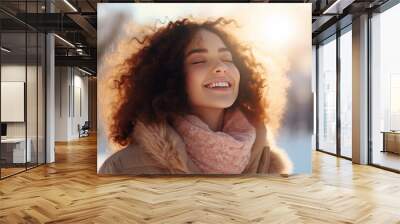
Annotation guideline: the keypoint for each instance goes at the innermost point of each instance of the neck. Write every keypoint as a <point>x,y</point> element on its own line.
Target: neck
<point>213,117</point>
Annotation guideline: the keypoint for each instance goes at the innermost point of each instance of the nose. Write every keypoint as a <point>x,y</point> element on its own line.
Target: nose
<point>220,68</point>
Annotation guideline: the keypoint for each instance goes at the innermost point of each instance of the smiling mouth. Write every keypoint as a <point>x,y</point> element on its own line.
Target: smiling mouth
<point>218,85</point>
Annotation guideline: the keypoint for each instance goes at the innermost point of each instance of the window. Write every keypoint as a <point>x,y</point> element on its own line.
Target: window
<point>385,88</point>
<point>327,96</point>
<point>22,76</point>
<point>346,93</point>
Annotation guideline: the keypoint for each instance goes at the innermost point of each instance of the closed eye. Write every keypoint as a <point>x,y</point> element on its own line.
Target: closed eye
<point>198,62</point>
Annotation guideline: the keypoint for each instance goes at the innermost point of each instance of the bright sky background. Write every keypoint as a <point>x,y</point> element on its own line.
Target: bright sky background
<point>280,31</point>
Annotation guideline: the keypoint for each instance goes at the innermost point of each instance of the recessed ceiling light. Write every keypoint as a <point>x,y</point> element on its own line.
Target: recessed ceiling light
<point>64,40</point>
<point>70,5</point>
<point>338,6</point>
<point>5,50</point>
<point>84,71</point>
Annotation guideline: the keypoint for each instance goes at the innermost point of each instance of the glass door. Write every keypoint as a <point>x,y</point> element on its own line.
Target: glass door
<point>327,96</point>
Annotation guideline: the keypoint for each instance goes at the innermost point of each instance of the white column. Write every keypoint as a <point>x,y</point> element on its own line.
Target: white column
<point>50,109</point>
<point>62,103</point>
<point>360,90</point>
<point>50,92</point>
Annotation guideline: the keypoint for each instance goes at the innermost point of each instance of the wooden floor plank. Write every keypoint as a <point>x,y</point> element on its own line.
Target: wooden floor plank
<point>69,191</point>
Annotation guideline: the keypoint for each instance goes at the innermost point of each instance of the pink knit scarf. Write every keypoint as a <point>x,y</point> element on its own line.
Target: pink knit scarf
<point>226,152</point>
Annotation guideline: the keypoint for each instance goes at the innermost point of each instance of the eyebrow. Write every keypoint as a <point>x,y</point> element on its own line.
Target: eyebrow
<point>203,50</point>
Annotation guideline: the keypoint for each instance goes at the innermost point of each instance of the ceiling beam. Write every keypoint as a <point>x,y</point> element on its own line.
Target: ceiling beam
<point>84,24</point>
<point>82,61</point>
<point>338,6</point>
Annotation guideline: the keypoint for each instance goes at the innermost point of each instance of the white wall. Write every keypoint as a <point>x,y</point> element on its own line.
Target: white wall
<point>80,89</point>
<point>12,73</point>
<point>61,103</point>
<point>33,127</point>
<point>71,93</point>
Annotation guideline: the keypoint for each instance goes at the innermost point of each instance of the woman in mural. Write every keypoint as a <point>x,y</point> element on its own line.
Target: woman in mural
<point>193,102</point>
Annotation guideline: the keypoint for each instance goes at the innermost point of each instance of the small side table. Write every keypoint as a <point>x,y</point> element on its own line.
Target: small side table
<point>391,141</point>
<point>13,150</point>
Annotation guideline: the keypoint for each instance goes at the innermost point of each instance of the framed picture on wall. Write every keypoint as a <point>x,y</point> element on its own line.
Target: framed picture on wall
<point>12,101</point>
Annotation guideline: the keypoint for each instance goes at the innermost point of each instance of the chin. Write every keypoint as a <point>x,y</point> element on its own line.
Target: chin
<point>222,105</point>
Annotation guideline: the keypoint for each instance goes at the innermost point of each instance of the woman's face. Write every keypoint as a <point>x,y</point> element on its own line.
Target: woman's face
<point>212,79</point>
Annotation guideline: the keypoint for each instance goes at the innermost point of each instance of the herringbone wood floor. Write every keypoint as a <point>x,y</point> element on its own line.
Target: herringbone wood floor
<point>70,191</point>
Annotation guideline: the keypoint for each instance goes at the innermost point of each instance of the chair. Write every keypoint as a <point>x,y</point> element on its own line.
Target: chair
<point>84,130</point>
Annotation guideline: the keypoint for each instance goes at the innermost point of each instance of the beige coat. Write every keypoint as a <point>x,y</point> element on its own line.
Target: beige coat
<point>158,149</point>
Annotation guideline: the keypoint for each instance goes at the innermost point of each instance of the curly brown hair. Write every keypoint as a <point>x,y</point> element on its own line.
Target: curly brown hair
<point>152,89</point>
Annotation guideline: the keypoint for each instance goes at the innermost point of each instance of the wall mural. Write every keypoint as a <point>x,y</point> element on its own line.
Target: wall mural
<point>198,88</point>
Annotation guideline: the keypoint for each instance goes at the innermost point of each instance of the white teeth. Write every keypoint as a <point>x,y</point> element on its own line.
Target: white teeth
<point>217,84</point>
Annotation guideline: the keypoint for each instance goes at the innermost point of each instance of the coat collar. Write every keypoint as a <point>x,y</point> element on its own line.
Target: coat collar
<point>163,144</point>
